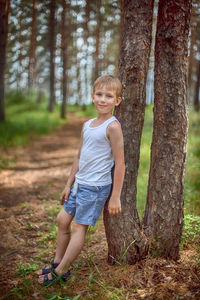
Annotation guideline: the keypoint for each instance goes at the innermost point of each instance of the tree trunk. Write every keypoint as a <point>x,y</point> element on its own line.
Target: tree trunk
<point>52,42</point>
<point>64,60</point>
<point>4,13</point>
<point>32,49</point>
<point>191,59</point>
<point>86,35</point>
<point>196,98</point>
<point>120,28</point>
<point>164,210</point>
<point>126,240</point>
<point>78,78</point>
<point>97,36</point>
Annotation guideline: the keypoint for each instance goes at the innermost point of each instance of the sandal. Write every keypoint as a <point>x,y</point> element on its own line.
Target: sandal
<point>46,270</point>
<point>55,277</point>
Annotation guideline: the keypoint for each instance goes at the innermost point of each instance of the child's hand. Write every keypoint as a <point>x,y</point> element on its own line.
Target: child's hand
<point>114,206</point>
<point>65,194</point>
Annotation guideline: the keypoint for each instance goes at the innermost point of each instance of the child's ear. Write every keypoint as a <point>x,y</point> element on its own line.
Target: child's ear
<point>118,101</point>
<point>92,95</point>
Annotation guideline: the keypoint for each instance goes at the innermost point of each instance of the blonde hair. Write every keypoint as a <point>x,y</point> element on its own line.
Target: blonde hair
<point>109,81</point>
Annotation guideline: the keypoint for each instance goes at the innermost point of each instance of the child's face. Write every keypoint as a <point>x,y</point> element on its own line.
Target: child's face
<point>105,99</point>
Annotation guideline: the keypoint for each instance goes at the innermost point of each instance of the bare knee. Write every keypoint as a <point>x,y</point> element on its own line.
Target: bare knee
<point>63,221</point>
<point>79,228</point>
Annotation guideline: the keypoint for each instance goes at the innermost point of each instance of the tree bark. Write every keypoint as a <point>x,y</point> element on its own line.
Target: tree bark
<point>32,49</point>
<point>4,13</point>
<point>164,210</point>
<point>52,42</point>
<point>126,240</point>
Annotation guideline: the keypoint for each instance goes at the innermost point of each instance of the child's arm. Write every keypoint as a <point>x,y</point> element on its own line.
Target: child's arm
<point>71,178</point>
<point>115,137</point>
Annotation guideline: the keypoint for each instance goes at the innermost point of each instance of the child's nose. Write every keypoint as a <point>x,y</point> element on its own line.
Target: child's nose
<point>103,98</point>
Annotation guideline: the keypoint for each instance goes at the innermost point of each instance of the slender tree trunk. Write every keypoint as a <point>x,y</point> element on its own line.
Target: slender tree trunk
<point>78,78</point>
<point>192,61</point>
<point>164,210</point>
<point>64,60</point>
<point>52,42</point>
<point>20,40</point>
<point>116,71</point>
<point>4,13</point>
<point>97,36</point>
<point>196,98</point>
<point>126,240</point>
<point>86,35</point>
<point>32,49</point>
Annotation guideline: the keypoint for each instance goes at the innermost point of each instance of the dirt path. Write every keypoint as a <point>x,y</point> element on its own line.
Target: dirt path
<point>29,194</point>
<point>39,174</point>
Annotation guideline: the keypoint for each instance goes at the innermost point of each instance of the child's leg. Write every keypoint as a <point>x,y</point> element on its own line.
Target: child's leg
<point>74,247</point>
<point>63,237</point>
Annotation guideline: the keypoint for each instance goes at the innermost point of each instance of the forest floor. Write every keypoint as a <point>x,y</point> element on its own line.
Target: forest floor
<point>29,201</point>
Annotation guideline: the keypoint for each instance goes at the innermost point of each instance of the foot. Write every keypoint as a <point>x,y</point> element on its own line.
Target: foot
<point>47,270</point>
<point>53,277</point>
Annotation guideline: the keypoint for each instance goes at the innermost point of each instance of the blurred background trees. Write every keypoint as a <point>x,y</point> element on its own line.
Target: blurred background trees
<point>60,47</point>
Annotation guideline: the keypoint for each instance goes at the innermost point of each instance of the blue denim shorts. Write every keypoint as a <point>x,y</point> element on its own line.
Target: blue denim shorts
<point>85,203</point>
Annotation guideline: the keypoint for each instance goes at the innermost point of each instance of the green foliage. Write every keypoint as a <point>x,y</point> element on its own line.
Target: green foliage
<point>191,230</point>
<point>143,172</point>
<point>17,97</point>
<point>192,174</point>
<point>24,269</point>
<point>25,119</point>
<point>51,236</point>
<point>91,230</point>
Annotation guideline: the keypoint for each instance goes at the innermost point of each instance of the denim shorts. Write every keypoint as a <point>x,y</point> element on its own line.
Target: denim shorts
<point>85,203</point>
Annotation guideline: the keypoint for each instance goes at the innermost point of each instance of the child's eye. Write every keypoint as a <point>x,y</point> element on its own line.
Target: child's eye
<point>98,94</point>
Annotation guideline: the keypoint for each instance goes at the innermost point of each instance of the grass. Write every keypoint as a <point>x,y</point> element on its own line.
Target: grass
<point>191,232</point>
<point>24,269</point>
<point>26,120</point>
<point>192,172</point>
<point>143,172</point>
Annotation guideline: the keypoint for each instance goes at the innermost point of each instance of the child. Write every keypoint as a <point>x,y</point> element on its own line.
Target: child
<point>101,147</point>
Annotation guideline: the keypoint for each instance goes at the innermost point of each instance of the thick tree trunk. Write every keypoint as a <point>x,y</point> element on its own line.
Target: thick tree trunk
<point>32,49</point>
<point>52,42</point>
<point>196,97</point>
<point>64,60</point>
<point>4,12</point>
<point>126,240</point>
<point>164,210</point>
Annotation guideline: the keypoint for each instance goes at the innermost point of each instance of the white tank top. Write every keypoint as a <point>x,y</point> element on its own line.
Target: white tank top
<point>96,159</point>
